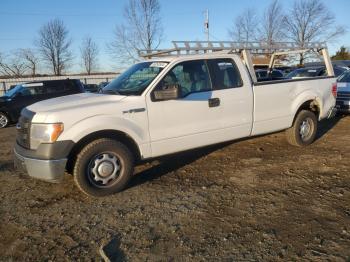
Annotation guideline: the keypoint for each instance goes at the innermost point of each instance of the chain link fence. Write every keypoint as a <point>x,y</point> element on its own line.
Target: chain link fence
<point>6,84</point>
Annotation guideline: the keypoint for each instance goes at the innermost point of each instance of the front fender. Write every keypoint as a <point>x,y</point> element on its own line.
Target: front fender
<point>98,123</point>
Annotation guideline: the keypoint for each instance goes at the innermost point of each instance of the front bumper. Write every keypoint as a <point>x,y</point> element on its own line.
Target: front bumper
<point>48,170</point>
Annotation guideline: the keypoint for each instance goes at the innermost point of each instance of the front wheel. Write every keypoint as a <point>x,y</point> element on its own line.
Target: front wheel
<point>103,167</point>
<point>304,129</point>
<point>4,120</point>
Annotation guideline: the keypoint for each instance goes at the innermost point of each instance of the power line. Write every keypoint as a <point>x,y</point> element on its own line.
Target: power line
<point>19,39</point>
<point>52,14</point>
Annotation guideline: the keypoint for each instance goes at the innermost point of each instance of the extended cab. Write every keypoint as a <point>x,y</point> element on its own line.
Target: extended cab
<point>162,106</point>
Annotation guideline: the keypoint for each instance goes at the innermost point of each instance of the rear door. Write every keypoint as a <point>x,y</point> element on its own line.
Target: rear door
<point>235,114</point>
<point>54,89</point>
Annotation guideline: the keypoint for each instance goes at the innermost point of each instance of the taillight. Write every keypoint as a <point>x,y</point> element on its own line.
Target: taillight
<point>334,89</point>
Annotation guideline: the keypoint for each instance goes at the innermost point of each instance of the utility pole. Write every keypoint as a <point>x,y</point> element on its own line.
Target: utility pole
<point>206,24</point>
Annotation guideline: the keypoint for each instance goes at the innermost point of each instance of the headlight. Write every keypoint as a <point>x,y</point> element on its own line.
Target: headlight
<point>44,133</point>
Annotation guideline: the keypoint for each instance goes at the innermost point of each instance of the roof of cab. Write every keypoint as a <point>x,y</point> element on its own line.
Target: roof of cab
<point>170,59</point>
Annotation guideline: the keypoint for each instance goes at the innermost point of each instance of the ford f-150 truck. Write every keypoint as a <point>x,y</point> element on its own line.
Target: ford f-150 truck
<point>165,104</point>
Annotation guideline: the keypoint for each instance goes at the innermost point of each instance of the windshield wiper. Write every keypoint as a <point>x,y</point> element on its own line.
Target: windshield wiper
<point>111,91</point>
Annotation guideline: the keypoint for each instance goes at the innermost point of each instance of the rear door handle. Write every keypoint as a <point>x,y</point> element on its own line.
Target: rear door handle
<point>214,102</point>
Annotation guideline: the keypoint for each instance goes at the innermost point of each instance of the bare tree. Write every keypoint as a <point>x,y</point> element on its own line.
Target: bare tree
<point>271,29</point>
<point>12,65</point>
<point>142,30</point>
<point>89,54</point>
<point>342,54</point>
<point>54,45</point>
<point>310,21</point>
<point>31,59</point>
<point>244,28</point>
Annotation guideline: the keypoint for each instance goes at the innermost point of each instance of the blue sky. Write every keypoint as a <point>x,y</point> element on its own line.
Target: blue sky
<point>20,21</point>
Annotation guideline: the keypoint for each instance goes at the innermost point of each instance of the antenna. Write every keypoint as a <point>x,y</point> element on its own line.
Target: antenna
<point>206,24</point>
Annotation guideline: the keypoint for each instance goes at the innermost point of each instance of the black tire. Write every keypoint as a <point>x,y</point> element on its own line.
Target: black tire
<point>4,120</point>
<point>304,129</point>
<point>103,167</point>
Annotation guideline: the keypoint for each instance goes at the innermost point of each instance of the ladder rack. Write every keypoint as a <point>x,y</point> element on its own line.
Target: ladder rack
<point>203,47</point>
<point>245,49</point>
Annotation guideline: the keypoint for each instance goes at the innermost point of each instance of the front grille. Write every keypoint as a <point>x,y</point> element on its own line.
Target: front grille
<point>23,132</point>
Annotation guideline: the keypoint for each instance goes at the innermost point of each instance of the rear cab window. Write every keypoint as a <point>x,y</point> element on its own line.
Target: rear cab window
<point>224,74</point>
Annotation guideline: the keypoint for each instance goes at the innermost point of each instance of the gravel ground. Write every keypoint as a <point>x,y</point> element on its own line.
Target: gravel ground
<point>254,199</point>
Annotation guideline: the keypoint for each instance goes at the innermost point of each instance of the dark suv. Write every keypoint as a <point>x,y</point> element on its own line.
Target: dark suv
<point>343,95</point>
<point>26,94</point>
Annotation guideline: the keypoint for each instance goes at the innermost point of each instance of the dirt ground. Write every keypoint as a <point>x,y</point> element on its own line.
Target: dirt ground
<point>255,199</point>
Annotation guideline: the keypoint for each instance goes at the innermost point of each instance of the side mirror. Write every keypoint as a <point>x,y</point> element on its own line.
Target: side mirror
<point>167,92</point>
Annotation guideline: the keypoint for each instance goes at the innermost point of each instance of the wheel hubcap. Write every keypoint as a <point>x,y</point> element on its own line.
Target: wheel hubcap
<point>305,129</point>
<point>3,121</point>
<point>104,169</point>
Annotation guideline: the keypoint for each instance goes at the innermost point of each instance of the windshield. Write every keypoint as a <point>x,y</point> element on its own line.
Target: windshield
<point>12,92</point>
<point>136,79</point>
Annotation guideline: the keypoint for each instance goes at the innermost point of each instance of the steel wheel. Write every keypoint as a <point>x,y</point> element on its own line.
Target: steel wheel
<point>104,169</point>
<point>306,129</point>
<point>3,120</point>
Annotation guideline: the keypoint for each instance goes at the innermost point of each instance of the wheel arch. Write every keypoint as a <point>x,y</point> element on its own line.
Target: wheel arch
<point>108,133</point>
<point>312,104</point>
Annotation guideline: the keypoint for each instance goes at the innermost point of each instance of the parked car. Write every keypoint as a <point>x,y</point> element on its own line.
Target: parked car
<point>159,107</point>
<point>343,95</point>
<point>306,72</point>
<point>26,94</point>
<point>265,75</point>
<point>91,88</point>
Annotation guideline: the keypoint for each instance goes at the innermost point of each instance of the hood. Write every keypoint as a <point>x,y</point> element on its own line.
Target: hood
<point>72,102</point>
<point>343,87</point>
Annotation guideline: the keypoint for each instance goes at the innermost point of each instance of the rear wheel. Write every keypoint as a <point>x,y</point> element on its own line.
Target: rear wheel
<point>4,120</point>
<point>103,167</point>
<point>304,129</point>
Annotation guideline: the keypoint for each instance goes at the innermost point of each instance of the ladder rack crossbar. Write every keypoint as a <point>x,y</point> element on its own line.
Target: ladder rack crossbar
<point>200,47</point>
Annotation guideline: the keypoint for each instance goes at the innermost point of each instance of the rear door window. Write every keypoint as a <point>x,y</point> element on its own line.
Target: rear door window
<point>224,74</point>
<point>53,87</point>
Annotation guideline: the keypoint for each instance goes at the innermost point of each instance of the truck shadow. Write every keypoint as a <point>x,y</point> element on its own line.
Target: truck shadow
<point>326,125</point>
<point>170,163</point>
<point>7,166</point>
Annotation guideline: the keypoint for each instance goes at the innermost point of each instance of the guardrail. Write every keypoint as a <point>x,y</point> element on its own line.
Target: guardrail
<point>5,84</point>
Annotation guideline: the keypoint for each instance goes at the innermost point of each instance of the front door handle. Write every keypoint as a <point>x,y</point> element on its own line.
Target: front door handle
<point>214,102</point>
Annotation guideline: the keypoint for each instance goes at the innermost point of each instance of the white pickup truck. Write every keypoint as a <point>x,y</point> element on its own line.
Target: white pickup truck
<point>162,106</point>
